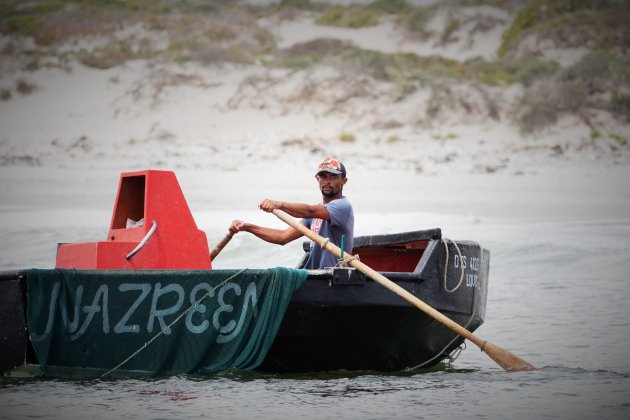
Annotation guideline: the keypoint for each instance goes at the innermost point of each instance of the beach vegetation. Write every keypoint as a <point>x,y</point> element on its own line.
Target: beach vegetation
<point>571,24</point>
<point>8,49</point>
<point>595,134</point>
<point>594,67</point>
<point>298,4</point>
<point>347,17</point>
<point>440,68</point>
<point>397,7</point>
<point>525,19</point>
<point>442,138</point>
<point>5,94</point>
<point>406,70</point>
<point>392,139</point>
<point>505,71</point>
<point>415,20</point>
<point>622,140</point>
<point>32,64</point>
<point>24,87</point>
<point>347,137</point>
<point>111,55</point>
<point>599,80</point>
<point>180,44</point>
<point>451,27</point>
<point>300,62</point>
<point>265,40</point>
<point>25,25</point>
<point>306,54</point>
<point>133,6</point>
<point>543,104</point>
<point>220,33</point>
<point>620,105</point>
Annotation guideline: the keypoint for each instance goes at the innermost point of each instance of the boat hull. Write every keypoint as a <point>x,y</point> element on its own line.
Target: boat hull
<point>339,319</point>
<point>365,327</point>
<point>13,340</point>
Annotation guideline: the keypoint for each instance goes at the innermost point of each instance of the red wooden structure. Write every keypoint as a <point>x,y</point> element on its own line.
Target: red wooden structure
<point>151,228</point>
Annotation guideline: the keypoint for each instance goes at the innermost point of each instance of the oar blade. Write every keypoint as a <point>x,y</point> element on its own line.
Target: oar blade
<point>506,359</point>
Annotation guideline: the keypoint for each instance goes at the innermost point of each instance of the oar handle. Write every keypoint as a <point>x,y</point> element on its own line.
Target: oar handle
<point>227,238</point>
<point>504,358</point>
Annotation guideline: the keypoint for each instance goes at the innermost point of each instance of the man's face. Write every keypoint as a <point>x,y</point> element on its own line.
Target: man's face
<point>330,185</point>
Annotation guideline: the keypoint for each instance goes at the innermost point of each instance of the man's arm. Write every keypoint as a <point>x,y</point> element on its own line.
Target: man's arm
<point>274,236</point>
<point>304,211</point>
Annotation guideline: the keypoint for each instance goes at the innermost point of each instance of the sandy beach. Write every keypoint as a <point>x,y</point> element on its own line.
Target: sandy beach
<point>235,133</point>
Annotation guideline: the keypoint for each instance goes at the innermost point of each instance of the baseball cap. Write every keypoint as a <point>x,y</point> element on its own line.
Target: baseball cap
<point>332,165</point>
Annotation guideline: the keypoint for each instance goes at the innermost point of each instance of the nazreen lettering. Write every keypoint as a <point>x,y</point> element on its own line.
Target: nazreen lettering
<point>158,317</point>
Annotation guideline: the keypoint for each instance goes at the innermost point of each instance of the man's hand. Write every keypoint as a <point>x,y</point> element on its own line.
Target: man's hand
<point>269,205</point>
<point>236,226</point>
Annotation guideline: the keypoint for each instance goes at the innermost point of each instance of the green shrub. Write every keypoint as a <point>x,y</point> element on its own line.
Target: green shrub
<point>571,23</point>
<point>347,137</point>
<point>347,17</point>
<point>111,55</point>
<point>5,94</point>
<point>390,6</point>
<point>525,19</point>
<point>24,87</point>
<point>298,4</point>
<point>416,20</point>
<point>623,141</point>
<point>306,54</point>
<point>620,105</point>
<point>542,105</point>
<point>594,66</point>
<point>451,27</point>
<point>220,33</point>
<point>441,68</point>
<point>531,70</point>
<point>300,62</point>
<point>505,71</point>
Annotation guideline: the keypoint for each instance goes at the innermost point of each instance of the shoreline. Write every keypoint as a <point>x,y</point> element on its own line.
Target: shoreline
<point>600,193</point>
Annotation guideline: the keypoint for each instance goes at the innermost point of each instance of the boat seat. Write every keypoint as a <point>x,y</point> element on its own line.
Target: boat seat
<point>395,252</point>
<point>388,239</point>
<point>398,238</point>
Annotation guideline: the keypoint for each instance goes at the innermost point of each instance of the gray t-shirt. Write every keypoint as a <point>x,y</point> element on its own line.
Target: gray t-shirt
<point>341,223</point>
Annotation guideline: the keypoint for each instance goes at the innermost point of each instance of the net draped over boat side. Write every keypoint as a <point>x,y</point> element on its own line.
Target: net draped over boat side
<point>98,319</point>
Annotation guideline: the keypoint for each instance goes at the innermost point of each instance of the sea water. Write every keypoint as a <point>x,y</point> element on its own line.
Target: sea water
<point>558,297</point>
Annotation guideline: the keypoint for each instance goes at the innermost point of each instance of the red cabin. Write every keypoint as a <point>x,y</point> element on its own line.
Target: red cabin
<point>151,228</point>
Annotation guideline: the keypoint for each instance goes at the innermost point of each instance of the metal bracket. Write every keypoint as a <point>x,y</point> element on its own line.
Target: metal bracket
<point>347,277</point>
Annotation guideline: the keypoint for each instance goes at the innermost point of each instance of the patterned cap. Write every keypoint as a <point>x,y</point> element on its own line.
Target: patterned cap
<point>333,166</point>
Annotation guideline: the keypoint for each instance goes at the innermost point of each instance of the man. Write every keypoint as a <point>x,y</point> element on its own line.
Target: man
<point>332,218</point>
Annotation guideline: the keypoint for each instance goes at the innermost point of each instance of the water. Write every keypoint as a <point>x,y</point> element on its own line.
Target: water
<point>558,298</point>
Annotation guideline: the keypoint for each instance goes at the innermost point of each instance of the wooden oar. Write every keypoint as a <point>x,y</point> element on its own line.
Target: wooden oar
<point>220,245</point>
<point>508,361</point>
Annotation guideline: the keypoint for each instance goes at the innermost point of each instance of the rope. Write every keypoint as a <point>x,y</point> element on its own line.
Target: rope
<point>194,305</point>
<point>472,315</point>
<point>456,353</point>
<point>343,262</point>
<point>461,278</point>
<point>457,349</point>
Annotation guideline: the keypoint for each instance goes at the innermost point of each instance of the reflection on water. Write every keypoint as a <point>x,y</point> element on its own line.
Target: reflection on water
<point>553,392</point>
